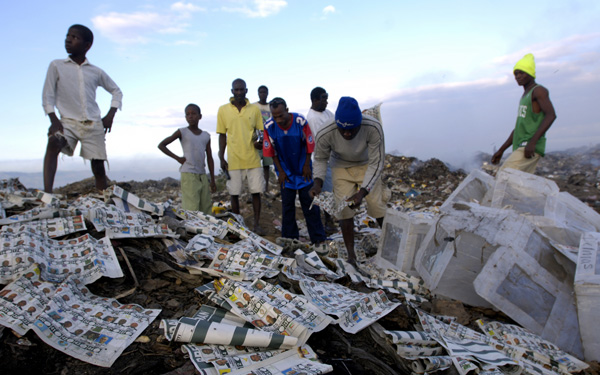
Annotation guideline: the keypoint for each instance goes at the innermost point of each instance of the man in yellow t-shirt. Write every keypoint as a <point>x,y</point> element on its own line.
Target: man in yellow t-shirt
<point>237,122</point>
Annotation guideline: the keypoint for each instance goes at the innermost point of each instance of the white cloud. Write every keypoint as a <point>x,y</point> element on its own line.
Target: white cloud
<point>257,8</point>
<point>186,43</point>
<point>429,121</point>
<point>143,26</point>
<point>164,117</point>
<point>127,28</point>
<point>178,29</point>
<point>180,6</point>
<point>559,51</point>
<point>140,27</point>
<point>328,9</point>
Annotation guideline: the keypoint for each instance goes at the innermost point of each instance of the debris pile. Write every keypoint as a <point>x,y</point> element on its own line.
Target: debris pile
<point>576,171</point>
<point>85,278</point>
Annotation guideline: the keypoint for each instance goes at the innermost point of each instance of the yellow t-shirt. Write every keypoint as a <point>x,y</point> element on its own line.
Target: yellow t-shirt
<point>240,127</point>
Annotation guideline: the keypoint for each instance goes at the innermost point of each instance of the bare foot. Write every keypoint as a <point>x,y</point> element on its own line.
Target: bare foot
<point>258,230</point>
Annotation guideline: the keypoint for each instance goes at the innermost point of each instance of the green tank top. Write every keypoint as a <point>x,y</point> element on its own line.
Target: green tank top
<point>528,123</point>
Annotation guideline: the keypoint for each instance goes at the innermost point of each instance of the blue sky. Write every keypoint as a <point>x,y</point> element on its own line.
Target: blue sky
<point>443,69</point>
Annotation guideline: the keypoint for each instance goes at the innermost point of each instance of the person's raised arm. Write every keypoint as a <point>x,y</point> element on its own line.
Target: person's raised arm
<point>542,97</point>
<point>165,142</point>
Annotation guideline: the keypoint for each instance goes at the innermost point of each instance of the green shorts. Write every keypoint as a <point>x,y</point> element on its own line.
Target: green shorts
<point>195,192</point>
<point>266,161</point>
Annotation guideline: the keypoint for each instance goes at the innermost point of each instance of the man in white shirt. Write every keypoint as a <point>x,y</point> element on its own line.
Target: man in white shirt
<point>70,87</point>
<point>318,116</point>
<point>265,111</point>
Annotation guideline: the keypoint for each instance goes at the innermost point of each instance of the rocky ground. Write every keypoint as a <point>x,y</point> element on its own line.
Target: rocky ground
<point>415,185</point>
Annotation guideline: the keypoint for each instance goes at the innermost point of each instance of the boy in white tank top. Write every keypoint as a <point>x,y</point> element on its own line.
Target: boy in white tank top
<point>195,144</point>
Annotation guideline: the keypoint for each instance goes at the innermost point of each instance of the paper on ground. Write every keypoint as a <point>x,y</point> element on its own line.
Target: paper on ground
<point>273,308</point>
<point>73,320</point>
<point>87,258</point>
<point>137,202</point>
<point>286,363</point>
<point>240,264</point>
<point>243,232</point>
<point>355,310</point>
<point>120,224</point>
<point>49,227</point>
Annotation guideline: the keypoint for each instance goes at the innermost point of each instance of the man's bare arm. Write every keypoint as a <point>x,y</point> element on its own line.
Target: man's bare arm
<point>542,97</point>
<point>498,155</point>
<point>165,142</point>
<point>55,124</point>
<point>222,147</point>
<point>107,121</point>
<point>211,167</point>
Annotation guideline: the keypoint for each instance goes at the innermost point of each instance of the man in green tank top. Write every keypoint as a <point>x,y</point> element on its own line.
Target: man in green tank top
<point>535,115</point>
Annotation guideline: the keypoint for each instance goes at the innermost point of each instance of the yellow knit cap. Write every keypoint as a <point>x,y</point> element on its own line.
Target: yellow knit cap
<point>526,64</point>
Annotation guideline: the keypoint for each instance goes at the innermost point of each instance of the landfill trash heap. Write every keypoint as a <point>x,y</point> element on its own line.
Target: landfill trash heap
<point>85,276</point>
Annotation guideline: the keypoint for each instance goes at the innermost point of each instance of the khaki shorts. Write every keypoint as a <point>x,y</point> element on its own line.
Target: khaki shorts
<point>254,176</point>
<point>195,193</point>
<point>517,160</point>
<point>347,182</point>
<point>90,134</point>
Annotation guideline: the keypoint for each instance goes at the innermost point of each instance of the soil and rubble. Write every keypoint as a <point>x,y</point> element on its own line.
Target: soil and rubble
<point>158,282</point>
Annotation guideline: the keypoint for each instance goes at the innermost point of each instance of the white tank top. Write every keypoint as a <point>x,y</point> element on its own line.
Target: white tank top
<point>194,151</point>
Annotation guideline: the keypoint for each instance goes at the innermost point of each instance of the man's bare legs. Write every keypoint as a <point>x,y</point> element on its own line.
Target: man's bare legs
<point>347,226</point>
<point>55,144</point>
<point>256,206</point>
<point>235,208</point>
<point>235,204</point>
<point>99,174</point>
<point>267,172</point>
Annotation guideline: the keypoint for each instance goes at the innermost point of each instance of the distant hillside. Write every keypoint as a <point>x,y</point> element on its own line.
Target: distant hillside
<point>581,159</point>
<point>35,180</point>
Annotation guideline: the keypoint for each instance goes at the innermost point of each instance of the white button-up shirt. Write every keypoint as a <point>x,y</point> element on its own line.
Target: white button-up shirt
<point>71,88</point>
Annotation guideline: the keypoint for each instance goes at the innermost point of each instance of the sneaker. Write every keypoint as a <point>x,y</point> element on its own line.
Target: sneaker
<point>321,248</point>
<point>292,244</point>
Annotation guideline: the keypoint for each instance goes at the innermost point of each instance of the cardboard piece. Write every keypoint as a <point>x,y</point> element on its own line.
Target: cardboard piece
<point>525,193</point>
<point>532,285</point>
<point>476,187</point>
<point>459,244</point>
<point>587,294</point>
<point>402,235</point>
